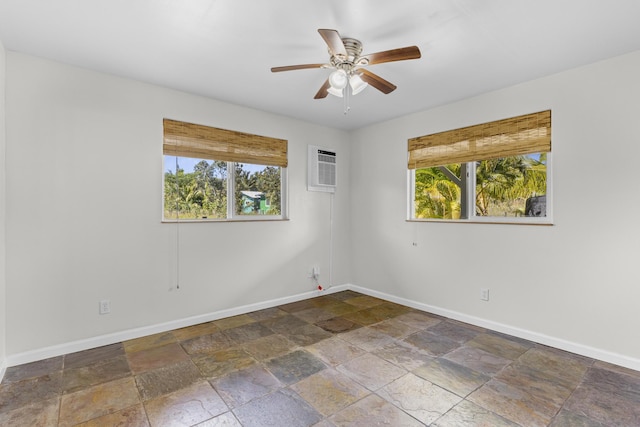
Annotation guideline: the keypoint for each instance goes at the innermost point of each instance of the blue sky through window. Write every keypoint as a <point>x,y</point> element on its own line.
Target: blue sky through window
<point>187,164</point>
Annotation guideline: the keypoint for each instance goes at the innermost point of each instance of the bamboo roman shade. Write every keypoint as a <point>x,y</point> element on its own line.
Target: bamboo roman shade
<point>204,142</point>
<point>526,134</point>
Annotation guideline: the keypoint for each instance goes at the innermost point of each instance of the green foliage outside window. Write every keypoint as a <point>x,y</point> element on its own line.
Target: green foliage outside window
<point>436,195</point>
<point>266,181</point>
<point>202,193</point>
<point>198,194</point>
<point>502,187</point>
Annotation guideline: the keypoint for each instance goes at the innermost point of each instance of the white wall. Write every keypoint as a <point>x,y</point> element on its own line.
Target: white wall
<point>84,194</point>
<point>575,284</point>
<point>83,202</point>
<point>3,277</point>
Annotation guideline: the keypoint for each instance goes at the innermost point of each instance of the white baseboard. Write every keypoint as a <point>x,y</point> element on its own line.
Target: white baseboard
<point>98,341</point>
<point>583,350</point>
<point>101,340</point>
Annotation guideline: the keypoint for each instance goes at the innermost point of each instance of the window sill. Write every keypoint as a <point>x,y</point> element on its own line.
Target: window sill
<point>491,221</point>
<point>223,220</point>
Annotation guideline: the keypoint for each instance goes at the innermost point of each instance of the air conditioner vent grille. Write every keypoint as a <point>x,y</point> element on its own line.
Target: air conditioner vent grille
<point>323,168</point>
<point>326,174</point>
<point>326,158</point>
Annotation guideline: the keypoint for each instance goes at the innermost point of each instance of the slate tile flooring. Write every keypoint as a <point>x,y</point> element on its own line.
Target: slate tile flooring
<point>342,359</point>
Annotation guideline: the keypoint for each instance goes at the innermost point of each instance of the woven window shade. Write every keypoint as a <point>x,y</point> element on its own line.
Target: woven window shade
<point>203,142</point>
<point>526,134</point>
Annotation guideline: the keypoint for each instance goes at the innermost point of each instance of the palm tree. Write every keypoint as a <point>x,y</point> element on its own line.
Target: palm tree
<point>211,185</point>
<point>502,184</point>
<point>436,196</point>
<point>508,179</point>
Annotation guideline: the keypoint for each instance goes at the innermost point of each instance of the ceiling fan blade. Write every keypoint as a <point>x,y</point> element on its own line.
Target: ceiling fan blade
<point>322,93</point>
<point>401,54</point>
<point>334,41</point>
<point>296,67</point>
<point>376,81</point>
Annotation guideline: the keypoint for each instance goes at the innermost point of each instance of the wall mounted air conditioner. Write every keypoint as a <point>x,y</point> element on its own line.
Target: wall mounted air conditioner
<point>323,169</point>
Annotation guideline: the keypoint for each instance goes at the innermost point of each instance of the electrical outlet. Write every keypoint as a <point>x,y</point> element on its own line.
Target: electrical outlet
<point>105,306</point>
<point>484,294</point>
<point>316,271</point>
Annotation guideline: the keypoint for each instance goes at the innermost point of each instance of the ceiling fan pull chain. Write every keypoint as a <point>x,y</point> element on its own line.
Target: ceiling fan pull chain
<point>346,100</point>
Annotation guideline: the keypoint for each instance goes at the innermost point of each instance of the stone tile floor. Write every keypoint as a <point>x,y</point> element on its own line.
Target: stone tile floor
<point>343,359</point>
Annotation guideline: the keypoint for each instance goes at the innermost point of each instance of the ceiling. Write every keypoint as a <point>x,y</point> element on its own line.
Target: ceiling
<point>224,49</point>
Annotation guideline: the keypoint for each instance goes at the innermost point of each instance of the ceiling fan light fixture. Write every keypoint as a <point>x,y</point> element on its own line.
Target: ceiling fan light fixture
<point>335,92</point>
<point>357,84</point>
<point>338,79</point>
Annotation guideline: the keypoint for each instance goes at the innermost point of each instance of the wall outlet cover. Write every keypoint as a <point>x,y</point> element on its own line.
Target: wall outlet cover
<point>105,306</point>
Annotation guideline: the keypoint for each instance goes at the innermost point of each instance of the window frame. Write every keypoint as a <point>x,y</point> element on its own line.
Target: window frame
<point>232,216</point>
<point>231,199</point>
<point>469,197</point>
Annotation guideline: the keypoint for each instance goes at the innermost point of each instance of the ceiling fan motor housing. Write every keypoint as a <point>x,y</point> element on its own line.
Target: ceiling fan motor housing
<point>352,59</point>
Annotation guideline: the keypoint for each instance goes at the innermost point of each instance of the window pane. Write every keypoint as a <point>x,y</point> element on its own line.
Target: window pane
<point>257,189</point>
<point>436,194</point>
<point>506,186</point>
<point>194,188</point>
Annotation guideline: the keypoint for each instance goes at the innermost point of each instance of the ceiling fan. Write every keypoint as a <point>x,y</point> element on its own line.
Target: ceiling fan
<point>347,61</point>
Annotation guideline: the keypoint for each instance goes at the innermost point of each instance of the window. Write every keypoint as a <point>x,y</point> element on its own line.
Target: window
<point>216,174</point>
<point>493,172</point>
